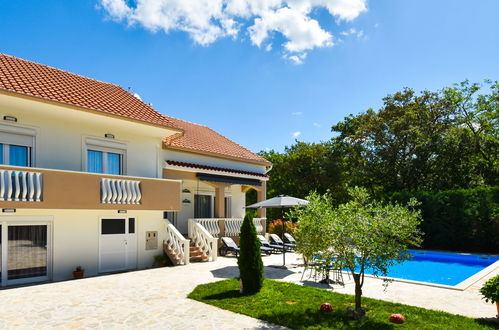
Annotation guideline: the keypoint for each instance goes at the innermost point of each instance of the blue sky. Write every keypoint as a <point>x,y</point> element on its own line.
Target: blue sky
<point>255,96</point>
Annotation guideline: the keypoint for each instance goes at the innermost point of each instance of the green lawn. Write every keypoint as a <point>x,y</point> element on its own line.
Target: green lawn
<point>297,307</point>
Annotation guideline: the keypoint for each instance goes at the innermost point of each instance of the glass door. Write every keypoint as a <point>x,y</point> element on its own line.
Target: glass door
<point>27,251</point>
<point>24,253</point>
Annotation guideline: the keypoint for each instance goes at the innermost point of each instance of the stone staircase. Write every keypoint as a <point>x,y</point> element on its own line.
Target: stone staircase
<point>195,254</point>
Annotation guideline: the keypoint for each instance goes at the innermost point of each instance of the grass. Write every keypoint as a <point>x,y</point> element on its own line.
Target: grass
<point>298,307</point>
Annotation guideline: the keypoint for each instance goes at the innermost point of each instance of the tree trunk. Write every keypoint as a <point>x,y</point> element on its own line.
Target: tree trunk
<point>358,292</point>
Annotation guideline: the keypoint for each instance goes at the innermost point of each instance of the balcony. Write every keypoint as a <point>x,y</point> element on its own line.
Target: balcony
<point>25,187</point>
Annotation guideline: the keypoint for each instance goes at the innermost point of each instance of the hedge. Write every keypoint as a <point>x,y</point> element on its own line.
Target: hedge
<point>464,220</point>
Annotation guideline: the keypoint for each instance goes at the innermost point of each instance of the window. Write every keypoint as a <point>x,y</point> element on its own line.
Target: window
<point>100,161</point>
<point>16,145</point>
<point>228,207</point>
<point>15,155</point>
<point>202,206</point>
<point>113,226</point>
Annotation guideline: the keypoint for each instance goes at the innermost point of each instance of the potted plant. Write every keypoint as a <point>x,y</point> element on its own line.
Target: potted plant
<point>160,261</point>
<point>490,291</point>
<point>78,273</point>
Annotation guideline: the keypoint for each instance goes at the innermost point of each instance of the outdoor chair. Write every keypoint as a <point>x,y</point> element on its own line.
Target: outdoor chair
<point>289,239</point>
<point>277,240</point>
<point>273,247</point>
<point>228,245</point>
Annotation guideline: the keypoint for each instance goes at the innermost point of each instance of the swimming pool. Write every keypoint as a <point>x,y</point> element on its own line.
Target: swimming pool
<point>439,267</point>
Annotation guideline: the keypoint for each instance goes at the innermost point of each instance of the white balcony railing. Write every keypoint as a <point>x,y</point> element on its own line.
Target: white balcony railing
<point>120,191</point>
<point>176,245</point>
<point>211,225</point>
<point>20,186</point>
<point>232,225</point>
<point>203,240</point>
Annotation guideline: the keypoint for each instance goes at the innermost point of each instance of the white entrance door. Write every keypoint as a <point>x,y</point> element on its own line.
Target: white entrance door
<point>118,244</point>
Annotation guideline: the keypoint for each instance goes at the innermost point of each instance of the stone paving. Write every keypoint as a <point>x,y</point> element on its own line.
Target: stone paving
<point>156,298</point>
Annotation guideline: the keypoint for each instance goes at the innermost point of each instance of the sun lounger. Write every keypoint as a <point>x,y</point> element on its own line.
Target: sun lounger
<point>265,243</point>
<point>289,239</point>
<point>277,240</point>
<point>228,245</point>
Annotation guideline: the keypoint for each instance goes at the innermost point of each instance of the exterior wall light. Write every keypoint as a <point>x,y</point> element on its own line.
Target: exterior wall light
<point>185,190</point>
<point>121,211</point>
<point>186,201</point>
<point>109,136</point>
<point>10,118</point>
<point>9,210</point>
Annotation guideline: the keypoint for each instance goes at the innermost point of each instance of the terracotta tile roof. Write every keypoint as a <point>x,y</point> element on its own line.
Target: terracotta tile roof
<point>214,168</point>
<point>204,139</point>
<point>30,78</point>
<point>34,79</point>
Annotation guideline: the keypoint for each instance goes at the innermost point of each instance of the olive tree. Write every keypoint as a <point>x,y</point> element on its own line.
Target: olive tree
<point>362,234</point>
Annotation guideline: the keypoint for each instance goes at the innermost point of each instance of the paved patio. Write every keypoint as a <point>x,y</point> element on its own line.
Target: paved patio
<point>156,298</point>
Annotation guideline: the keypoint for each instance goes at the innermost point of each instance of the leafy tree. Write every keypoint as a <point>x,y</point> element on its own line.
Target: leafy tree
<point>250,259</point>
<point>358,235</point>
<point>302,168</point>
<point>432,140</point>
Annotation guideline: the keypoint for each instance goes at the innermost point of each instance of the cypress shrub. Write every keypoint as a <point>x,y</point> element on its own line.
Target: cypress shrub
<point>465,220</point>
<point>250,259</point>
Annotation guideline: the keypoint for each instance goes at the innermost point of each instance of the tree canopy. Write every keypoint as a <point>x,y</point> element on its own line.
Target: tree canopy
<point>358,235</point>
<point>445,139</point>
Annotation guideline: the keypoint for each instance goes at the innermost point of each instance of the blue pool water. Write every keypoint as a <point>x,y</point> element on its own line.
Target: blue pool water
<point>440,267</point>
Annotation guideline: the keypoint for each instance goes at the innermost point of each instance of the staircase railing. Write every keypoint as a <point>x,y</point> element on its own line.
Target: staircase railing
<point>259,225</point>
<point>211,225</point>
<point>175,245</point>
<point>203,240</point>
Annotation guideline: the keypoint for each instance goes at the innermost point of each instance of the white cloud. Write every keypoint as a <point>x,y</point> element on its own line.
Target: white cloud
<point>297,113</point>
<point>353,32</point>
<point>295,59</point>
<point>316,124</point>
<point>208,20</point>
<point>296,134</point>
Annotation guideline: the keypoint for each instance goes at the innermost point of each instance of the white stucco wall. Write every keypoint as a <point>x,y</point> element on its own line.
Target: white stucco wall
<point>61,134</point>
<point>75,237</point>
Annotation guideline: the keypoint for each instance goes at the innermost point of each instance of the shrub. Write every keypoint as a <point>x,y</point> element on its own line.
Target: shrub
<point>490,290</point>
<point>275,227</point>
<point>250,259</point>
<point>464,220</point>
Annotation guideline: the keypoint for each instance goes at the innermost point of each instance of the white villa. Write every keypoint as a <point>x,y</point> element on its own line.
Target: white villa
<point>91,176</point>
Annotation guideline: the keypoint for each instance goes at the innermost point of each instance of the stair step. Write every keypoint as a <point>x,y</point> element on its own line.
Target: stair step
<point>198,258</point>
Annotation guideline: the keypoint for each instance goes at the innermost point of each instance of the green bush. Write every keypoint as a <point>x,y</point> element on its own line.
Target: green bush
<point>490,290</point>
<point>250,259</point>
<point>464,220</point>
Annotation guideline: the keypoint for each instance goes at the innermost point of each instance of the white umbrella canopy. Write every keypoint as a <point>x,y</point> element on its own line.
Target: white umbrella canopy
<point>280,201</point>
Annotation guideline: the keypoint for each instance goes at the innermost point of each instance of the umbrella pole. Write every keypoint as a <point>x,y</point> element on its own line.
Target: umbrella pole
<point>282,238</point>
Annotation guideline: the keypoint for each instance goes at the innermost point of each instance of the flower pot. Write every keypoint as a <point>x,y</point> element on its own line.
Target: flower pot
<point>78,274</point>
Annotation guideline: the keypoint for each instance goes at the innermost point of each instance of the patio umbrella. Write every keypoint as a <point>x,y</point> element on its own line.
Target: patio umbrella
<point>280,202</point>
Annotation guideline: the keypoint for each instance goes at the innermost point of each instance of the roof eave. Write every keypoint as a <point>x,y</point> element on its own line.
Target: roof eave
<point>86,109</point>
<point>264,162</point>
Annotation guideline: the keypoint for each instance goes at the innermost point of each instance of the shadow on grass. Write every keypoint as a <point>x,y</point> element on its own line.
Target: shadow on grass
<point>492,322</point>
<point>316,319</point>
<point>302,319</point>
<point>224,295</point>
